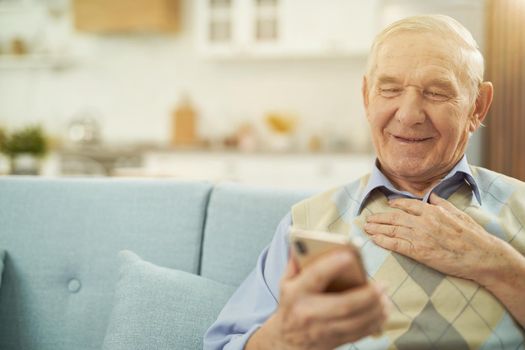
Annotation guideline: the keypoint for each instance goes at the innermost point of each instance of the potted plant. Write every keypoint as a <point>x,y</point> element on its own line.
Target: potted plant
<point>2,139</point>
<point>25,149</point>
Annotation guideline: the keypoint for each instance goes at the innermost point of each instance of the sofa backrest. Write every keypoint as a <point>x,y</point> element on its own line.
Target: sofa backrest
<point>240,222</point>
<point>62,238</point>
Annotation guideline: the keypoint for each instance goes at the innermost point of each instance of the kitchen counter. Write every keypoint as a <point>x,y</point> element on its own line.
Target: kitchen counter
<point>290,170</point>
<point>286,170</point>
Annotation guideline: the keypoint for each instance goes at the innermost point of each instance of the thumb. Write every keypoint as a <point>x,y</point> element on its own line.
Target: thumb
<point>325,269</point>
<point>292,269</point>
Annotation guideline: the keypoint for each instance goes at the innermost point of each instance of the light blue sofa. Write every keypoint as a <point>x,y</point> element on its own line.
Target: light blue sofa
<point>65,287</point>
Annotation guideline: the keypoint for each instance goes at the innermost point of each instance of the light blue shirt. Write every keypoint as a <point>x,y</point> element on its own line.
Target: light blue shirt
<point>257,297</point>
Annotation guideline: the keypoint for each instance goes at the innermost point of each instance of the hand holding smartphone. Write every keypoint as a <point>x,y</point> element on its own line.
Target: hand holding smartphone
<point>310,245</point>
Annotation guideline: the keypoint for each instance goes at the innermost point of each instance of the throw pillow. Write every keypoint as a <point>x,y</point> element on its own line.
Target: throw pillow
<point>161,308</point>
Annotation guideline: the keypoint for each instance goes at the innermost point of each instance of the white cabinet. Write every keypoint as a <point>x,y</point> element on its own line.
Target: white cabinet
<point>329,27</point>
<point>470,13</point>
<point>285,28</point>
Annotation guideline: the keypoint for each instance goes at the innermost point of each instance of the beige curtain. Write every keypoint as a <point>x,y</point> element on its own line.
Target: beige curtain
<point>505,57</point>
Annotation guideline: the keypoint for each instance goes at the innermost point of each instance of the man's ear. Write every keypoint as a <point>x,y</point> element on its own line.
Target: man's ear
<point>483,102</point>
<point>364,91</point>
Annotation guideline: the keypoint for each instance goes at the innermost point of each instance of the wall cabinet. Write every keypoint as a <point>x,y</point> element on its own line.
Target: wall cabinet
<point>123,16</point>
<point>286,28</point>
<point>470,13</point>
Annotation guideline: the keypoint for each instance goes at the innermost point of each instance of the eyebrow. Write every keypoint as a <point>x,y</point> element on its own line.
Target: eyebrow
<point>387,79</point>
<point>441,83</point>
<point>444,84</point>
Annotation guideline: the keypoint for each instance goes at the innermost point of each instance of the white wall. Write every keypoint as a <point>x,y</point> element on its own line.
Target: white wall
<point>132,84</point>
<point>135,82</point>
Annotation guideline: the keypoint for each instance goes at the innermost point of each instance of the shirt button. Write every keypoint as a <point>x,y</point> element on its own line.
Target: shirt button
<point>74,285</point>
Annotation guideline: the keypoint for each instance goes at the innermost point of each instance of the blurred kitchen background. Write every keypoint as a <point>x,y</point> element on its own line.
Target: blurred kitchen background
<point>264,92</point>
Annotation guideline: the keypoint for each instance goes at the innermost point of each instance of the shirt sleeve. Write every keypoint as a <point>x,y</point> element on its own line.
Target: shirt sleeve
<point>256,298</point>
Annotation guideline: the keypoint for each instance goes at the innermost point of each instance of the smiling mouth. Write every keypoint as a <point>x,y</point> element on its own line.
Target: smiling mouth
<point>411,139</point>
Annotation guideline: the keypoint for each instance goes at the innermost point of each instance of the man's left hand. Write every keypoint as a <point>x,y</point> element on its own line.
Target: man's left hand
<point>438,235</point>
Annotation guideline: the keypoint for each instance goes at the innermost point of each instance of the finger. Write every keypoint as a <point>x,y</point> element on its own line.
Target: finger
<point>292,269</point>
<point>388,230</point>
<point>453,210</point>
<point>398,218</point>
<point>316,276</point>
<point>437,200</point>
<point>360,326</point>
<point>328,306</point>
<point>409,205</point>
<point>399,245</point>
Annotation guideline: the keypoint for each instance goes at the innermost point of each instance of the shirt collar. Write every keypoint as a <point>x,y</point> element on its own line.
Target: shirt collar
<point>460,172</point>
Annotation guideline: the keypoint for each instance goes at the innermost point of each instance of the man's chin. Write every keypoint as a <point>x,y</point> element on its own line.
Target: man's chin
<point>408,168</point>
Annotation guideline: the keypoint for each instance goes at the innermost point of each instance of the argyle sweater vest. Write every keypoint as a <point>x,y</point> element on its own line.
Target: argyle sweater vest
<point>430,310</point>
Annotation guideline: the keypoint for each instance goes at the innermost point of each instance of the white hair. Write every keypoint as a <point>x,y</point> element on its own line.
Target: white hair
<point>468,56</point>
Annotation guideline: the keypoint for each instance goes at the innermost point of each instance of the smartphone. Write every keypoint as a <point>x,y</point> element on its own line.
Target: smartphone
<point>310,245</point>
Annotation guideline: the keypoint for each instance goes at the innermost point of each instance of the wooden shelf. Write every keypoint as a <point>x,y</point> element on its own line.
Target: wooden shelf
<point>124,16</point>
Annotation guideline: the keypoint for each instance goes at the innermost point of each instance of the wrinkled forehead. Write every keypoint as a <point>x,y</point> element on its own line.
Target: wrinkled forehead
<point>420,56</point>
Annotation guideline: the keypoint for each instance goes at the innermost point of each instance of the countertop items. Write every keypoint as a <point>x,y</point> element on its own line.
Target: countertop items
<point>278,169</point>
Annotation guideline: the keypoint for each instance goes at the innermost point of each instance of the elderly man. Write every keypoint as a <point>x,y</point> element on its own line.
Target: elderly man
<point>444,240</point>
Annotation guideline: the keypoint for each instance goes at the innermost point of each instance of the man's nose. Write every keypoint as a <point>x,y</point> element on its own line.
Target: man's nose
<point>410,109</point>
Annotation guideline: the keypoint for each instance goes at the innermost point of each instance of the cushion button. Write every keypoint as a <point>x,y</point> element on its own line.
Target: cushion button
<point>73,285</point>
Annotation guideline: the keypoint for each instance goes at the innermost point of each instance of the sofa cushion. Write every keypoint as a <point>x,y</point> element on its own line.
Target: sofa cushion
<point>240,221</point>
<point>161,308</point>
<point>62,237</point>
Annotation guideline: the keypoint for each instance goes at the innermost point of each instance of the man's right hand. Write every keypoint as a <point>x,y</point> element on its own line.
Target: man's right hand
<point>309,318</point>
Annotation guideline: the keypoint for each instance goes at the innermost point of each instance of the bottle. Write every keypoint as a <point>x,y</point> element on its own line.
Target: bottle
<point>184,123</point>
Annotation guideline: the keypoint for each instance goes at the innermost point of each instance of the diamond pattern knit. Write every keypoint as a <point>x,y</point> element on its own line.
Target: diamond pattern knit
<point>431,310</point>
